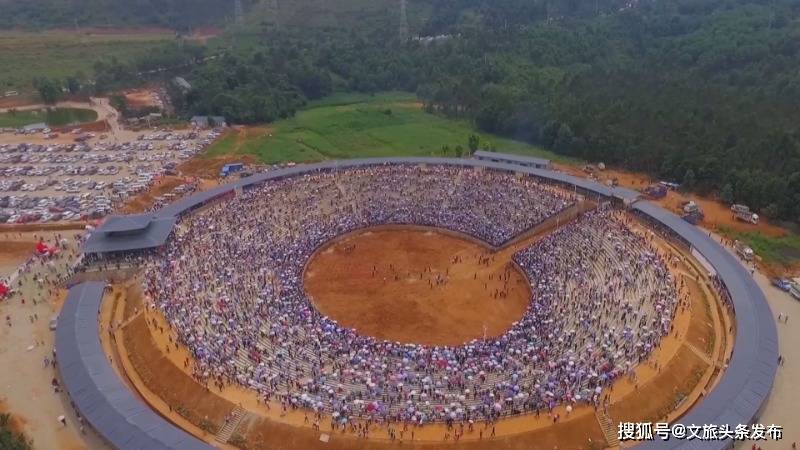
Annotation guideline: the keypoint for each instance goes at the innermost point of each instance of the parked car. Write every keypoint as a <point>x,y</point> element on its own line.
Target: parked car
<point>782,284</point>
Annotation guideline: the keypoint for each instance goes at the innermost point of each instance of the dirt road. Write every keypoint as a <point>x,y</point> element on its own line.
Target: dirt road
<point>25,388</point>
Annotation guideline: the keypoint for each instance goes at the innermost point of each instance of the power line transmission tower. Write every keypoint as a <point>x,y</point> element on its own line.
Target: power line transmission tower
<point>403,21</point>
<point>238,12</point>
<point>276,11</point>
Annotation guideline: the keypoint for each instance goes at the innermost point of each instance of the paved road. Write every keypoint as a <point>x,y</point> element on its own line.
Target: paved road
<point>781,408</point>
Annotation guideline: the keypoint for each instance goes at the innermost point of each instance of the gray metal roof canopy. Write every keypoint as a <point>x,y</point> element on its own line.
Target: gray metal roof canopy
<point>512,158</point>
<point>140,232</point>
<point>129,223</point>
<point>104,401</point>
<point>743,388</point>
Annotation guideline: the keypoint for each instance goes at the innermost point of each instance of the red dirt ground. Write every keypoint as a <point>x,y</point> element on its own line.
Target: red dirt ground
<point>208,168</point>
<point>20,100</point>
<point>14,253</point>
<point>402,301</point>
<point>24,227</point>
<point>717,214</point>
<point>16,423</point>
<point>140,98</point>
<point>145,200</point>
<point>99,126</point>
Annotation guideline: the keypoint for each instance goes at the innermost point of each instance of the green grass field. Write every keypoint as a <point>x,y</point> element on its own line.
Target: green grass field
<point>354,126</point>
<point>784,251</point>
<point>25,55</point>
<point>54,117</point>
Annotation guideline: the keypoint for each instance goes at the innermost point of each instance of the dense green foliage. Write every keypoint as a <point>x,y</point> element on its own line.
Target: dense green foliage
<point>65,54</point>
<point>350,126</point>
<point>783,250</point>
<point>700,92</point>
<point>54,117</point>
<point>179,14</point>
<point>9,439</point>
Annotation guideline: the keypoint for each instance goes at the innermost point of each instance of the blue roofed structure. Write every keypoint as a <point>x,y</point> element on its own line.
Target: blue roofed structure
<point>106,403</point>
<point>743,389</point>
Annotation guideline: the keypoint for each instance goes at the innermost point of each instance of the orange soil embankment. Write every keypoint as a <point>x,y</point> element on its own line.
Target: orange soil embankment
<point>716,213</point>
<point>141,98</point>
<point>142,202</point>
<point>208,168</point>
<point>13,254</point>
<point>580,432</point>
<point>33,227</point>
<point>654,400</point>
<point>171,384</point>
<point>16,424</point>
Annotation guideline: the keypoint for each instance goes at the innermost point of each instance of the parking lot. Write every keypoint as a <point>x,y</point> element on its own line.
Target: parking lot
<point>49,181</point>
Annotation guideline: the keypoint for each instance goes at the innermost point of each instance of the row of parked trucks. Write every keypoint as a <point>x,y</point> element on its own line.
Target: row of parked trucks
<point>743,213</point>
<point>692,213</point>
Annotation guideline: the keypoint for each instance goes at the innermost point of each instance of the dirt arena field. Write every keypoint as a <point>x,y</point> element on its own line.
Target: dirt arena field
<point>403,285</point>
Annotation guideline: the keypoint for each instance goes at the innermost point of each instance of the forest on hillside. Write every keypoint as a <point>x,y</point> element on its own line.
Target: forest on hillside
<point>176,14</point>
<point>702,92</point>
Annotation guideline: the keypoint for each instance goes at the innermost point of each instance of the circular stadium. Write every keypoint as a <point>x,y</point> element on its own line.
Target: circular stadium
<point>424,302</point>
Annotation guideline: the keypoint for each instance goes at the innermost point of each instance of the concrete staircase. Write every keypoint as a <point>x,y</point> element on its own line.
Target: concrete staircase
<point>608,427</point>
<point>227,430</point>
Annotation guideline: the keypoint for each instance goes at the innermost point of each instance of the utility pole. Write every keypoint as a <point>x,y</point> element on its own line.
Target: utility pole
<point>238,12</point>
<point>403,21</point>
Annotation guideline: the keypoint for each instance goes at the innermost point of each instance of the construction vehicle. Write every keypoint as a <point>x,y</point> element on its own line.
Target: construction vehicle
<point>228,169</point>
<point>655,191</point>
<point>745,252</point>
<point>743,213</point>
<point>693,217</point>
<point>690,207</point>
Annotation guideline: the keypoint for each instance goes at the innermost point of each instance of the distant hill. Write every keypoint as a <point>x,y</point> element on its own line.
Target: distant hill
<point>176,14</point>
<point>425,16</point>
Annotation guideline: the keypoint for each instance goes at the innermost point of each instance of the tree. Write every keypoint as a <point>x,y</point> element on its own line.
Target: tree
<point>688,179</point>
<point>49,90</point>
<point>73,84</point>
<point>549,133</point>
<point>9,439</point>
<point>473,142</point>
<point>726,194</point>
<point>771,211</point>
<point>564,139</point>
<point>118,102</point>
<point>459,150</point>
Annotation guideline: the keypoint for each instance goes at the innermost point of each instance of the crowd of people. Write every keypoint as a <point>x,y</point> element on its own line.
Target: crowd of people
<point>231,285</point>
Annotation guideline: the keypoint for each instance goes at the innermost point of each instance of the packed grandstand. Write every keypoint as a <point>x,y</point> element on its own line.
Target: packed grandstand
<point>230,283</point>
